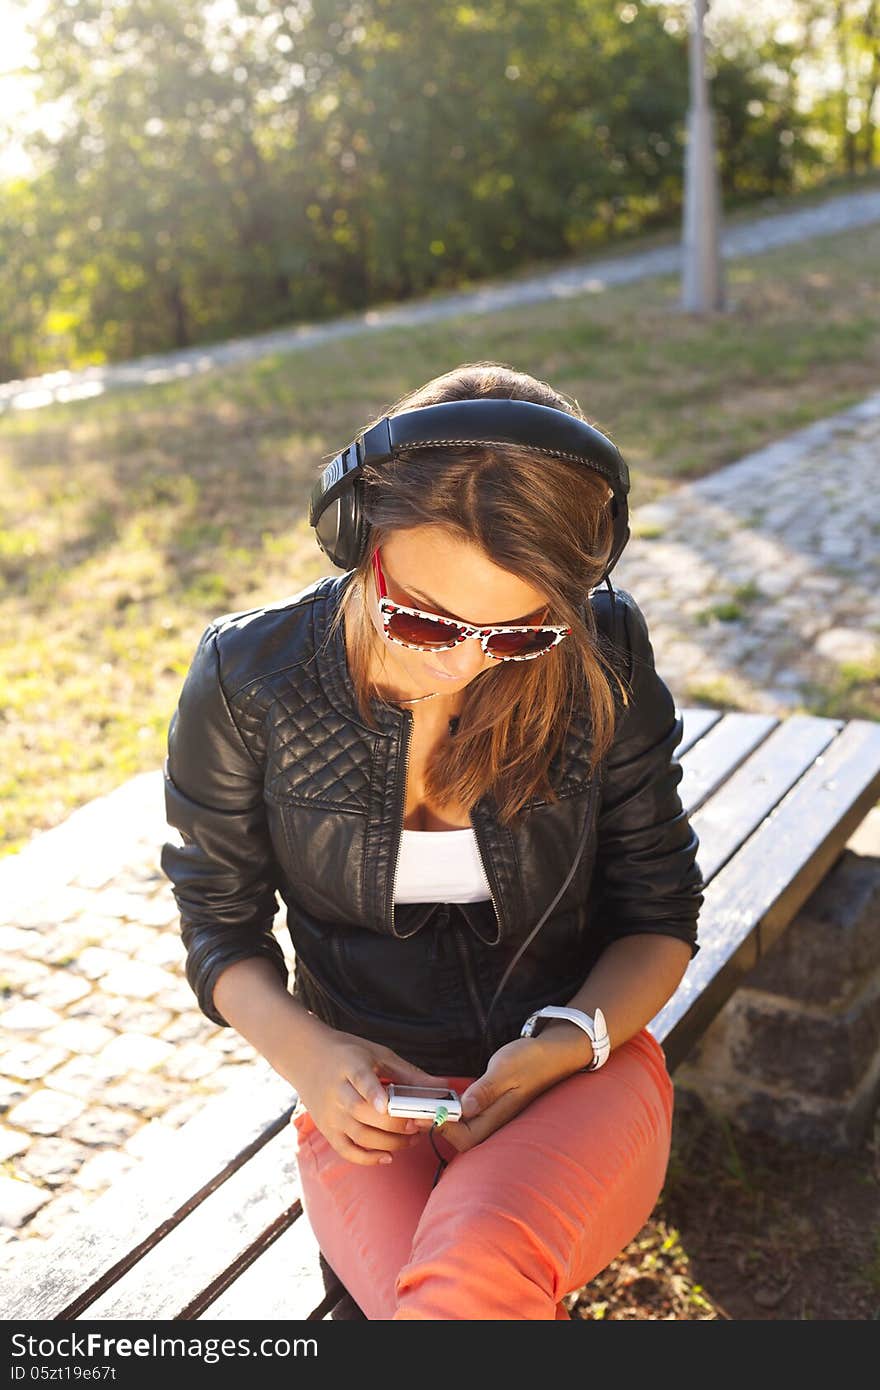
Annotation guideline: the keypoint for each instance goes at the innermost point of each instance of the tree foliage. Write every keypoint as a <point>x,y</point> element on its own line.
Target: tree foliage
<point>232,166</point>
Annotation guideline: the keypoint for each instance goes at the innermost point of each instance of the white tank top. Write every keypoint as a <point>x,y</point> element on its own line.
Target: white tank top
<point>440,866</point>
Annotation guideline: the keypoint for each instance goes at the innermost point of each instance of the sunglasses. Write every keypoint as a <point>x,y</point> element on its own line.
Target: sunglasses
<point>429,632</point>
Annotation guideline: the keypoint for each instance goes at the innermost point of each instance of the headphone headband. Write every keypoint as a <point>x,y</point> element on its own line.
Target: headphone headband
<point>335,503</point>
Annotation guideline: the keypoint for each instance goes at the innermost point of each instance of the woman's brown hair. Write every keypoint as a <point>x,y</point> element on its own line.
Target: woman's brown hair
<point>544,519</point>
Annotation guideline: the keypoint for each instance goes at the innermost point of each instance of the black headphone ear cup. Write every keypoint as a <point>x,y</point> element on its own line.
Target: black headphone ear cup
<point>327,530</point>
<point>339,529</point>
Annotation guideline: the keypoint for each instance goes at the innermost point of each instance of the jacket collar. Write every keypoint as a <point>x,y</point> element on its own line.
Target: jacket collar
<point>331,660</point>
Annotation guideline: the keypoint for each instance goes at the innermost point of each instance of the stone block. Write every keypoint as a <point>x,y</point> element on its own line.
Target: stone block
<point>796,1050</point>
<point>184,1110</point>
<point>59,988</point>
<point>102,1169</point>
<point>160,911</point>
<point>147,1094</point>
<point>78,1077</point>
<point>191,1062</point>
<point>60,944</point>
<point>12,1141</point>
<point>814,1123</point>
<point>100,1007</point>
<point>100,1126</point>
<point>188,1027</point>
<point>46,1111</point>
<point>80,1035</point>
<point>52,1161</point>
<point>137,980</point>
<point>30,1061</point>
<point>28,1016</point>
<point>178,997</point>
<point>118,903</point>
<point>132,938</point>
<point>132,1052</point>
<point>97,961</point>
<point>53,1215</point>
<point>11,1092</point>
<point>833,945</point>
<point>17,973</point>
<point>822,1054</point>
<point>144,1018</point>
<point>166,948</point>
<point>19,1200</point>
<point>17,939</point>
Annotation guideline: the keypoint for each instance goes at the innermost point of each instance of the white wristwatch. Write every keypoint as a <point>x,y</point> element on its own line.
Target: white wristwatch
<point>594,1028</point>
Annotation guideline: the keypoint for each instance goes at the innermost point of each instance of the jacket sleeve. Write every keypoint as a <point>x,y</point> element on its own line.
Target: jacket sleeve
<point>223,874</point>
<point>649,880</point>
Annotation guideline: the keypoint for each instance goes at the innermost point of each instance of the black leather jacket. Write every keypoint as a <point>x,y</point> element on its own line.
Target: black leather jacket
<point>276,786</point>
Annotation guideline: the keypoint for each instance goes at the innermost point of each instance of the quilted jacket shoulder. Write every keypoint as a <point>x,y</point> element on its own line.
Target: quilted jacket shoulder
<point>255,642</point>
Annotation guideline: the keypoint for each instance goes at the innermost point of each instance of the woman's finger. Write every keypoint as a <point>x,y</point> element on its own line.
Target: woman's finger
<point>504,1073</point>
<point>366,1115</point>
<point>405,1072</point>
<point>368,1137</point>
<point>366,1158</point>
<point>368,1086</point>
<point>467,1132</point>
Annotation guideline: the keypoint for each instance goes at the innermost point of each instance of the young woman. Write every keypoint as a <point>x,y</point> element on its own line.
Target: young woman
<point>455,764</point>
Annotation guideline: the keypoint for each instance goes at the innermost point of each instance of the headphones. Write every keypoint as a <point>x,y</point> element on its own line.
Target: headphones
<point>342,531</point>
<point>335,505</point>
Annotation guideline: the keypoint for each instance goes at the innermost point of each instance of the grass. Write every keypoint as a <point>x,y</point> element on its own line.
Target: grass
<point>853,693</point>
<point>129,520</point>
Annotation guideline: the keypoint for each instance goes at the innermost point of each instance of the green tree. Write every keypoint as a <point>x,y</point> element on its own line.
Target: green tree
<point>232,166</point>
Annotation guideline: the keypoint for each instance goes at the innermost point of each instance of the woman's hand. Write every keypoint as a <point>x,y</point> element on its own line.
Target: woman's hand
<point>517,1073</point>
<point>340,1087</point>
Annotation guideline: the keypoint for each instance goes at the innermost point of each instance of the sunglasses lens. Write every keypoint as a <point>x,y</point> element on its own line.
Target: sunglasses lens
<point>415,631</point>
<point>421,632</point>
<point>521,643</point>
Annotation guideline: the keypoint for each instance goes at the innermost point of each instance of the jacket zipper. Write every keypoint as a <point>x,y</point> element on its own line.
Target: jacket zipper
<point>485,872</point>
<point>407,734</point>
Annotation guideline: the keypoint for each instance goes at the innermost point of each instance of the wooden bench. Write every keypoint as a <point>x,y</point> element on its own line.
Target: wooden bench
<point>211,1227</point>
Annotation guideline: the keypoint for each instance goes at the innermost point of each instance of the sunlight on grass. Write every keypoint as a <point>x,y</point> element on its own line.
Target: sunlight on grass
<point>716,693</point>
<point>852,693</point>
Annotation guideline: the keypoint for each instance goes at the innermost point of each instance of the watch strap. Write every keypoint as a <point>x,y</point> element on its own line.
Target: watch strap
<point>595,1029</point>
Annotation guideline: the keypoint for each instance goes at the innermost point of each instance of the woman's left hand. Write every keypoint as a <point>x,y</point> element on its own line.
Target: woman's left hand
<point>517,1073</point>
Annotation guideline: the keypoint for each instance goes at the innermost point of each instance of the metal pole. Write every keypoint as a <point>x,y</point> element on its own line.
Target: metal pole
<point>702,280</point>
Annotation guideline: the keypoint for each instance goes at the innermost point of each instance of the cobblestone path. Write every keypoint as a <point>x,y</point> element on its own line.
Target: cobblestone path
<point>758,583</point>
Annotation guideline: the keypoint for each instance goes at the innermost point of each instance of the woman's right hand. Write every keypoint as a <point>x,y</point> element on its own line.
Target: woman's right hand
<point>339,1086</point>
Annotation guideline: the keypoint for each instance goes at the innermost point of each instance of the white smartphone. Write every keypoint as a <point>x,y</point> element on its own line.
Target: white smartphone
<point>423,1102</point>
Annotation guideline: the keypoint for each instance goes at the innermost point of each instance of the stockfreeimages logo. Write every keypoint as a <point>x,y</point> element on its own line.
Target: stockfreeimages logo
<point>94,1345</point>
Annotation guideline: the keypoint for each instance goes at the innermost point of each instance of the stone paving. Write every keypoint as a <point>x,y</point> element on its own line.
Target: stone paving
<point>757,583</point>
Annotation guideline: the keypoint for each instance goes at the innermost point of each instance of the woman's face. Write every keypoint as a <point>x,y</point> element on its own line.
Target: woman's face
<point>427,567</point>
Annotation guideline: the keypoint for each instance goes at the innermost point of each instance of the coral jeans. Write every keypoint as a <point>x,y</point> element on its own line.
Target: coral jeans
<point>515,1223</point>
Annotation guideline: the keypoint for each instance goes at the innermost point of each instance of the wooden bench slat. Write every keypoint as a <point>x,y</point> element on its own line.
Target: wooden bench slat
<point>709,762</point>
<point>172,1278</point>
<point>285,1281</point>
<point>93,1248</point>
<point>726,820</point>
<point>697,722</point>
<point>750,900</point>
